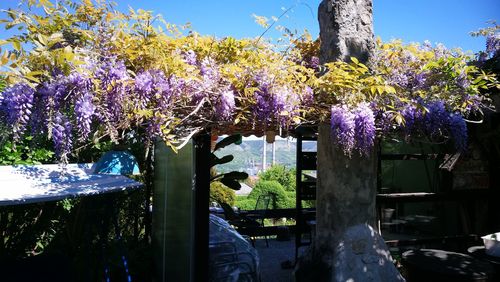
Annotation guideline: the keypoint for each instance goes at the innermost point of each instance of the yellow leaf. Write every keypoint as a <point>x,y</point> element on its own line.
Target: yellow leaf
<point>17,45</point>
<point>5,58</point>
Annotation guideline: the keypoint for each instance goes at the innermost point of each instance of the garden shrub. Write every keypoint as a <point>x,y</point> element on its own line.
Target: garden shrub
<point>246,203</point>
<point>282,174</point>
<point>222,194</point>
<point>273,187</point>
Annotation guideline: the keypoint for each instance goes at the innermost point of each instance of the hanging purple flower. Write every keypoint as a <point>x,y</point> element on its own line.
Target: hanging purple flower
<point>493,44</point>
<point>343,127</point>
<point>78,82</point>
<point>265,105</point>
<point>440,51</point>
<point>364,128</point>
<point>307,96</point>
<point>385,121</point>
<point>225,105</point>
<point>436,118</point>
<point>462,80</point>
<point>84,110</point>
<point>17,104</point>
<point>285,103</point>
<point>53,93</point>
<point>458,131</point>
<point>190,57</point>
<point>144,82</point>
<point>61,136</point>
<point>419,81</point>
<point>112,75</point>
<point>314,62</point>
<point>211,77</point>
<point>412,117</point>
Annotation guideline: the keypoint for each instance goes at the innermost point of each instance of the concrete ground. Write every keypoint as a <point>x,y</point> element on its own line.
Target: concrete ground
<point>273,256</point>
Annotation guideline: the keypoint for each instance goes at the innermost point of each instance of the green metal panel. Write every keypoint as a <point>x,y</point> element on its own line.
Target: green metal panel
<point>173,212</point>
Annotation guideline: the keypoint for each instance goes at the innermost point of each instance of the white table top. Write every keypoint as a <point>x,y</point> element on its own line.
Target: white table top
<point>24,184</point>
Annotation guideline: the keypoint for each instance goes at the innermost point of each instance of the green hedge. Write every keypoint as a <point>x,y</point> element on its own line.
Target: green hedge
<point>246,204</point>
<point>271,187</point>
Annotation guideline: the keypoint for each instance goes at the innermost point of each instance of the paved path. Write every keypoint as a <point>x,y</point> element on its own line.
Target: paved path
<point>272,257</point>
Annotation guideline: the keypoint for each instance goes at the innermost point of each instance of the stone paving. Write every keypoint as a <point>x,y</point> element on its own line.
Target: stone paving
<point>273,256</point>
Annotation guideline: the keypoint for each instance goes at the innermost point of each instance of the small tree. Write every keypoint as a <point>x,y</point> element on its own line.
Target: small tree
<point>282,174</point>
<point>222,194</point>
<point>270,187</point>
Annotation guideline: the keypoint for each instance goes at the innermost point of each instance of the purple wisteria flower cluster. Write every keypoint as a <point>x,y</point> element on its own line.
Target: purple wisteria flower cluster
<point>353,129</point>
<point>493,44</point>
<point>16,103</point>
<point>433,120</point>
<point>276,103</point>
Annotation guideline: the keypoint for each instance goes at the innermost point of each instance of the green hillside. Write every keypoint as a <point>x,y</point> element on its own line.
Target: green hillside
<point>248,155</point>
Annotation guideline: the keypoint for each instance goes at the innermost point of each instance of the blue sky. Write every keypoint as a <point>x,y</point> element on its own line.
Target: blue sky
<point>445,21</point>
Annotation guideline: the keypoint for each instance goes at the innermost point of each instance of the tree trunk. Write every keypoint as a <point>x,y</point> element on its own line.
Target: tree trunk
<point>346,191</point>
<point>346,247</point>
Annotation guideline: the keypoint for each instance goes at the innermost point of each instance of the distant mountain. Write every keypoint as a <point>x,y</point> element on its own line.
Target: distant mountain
<point>248,155</point>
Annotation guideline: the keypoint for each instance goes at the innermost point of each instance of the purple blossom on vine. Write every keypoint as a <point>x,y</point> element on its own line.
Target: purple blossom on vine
<point>440,51</point>
<point>286,103</point>
<point>209,71</point>
<point>412,116</point>
<point>458,131</point>
<point>307,96</point>
<point>225,105</point>
<point>17,104</point>
<point>436,117</point>
<point>112,75</point>
<point>342,123</point>
<point>84,110</point>
<point>493,44</point>
<point>364,128</point>
<point>53,94</point>
<point>190,57</point>
<point>144,82</point>
<point>314,62</point>
<point>265,101</point>
<point>462,80</point>
<point>61,136</point>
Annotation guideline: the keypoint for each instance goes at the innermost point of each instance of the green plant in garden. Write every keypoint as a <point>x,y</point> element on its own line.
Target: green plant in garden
<point>280,173</point>
<point>24,153</point>
<point>274,188</point>
<point>220,193</point>
<point>245,203</point>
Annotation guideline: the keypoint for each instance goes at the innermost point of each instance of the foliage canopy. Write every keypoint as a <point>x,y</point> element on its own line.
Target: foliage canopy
<point>80,72</point>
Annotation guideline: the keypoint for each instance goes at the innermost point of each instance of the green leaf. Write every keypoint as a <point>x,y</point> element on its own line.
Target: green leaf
<point>232,139</point>
<point>237,175</point>
<point>217,161</point>
<point>231,183</point>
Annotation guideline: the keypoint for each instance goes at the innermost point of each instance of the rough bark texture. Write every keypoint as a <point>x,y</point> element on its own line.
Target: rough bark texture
<point>345,246</point>
<point>346,30</point>
<point>346,191</point>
